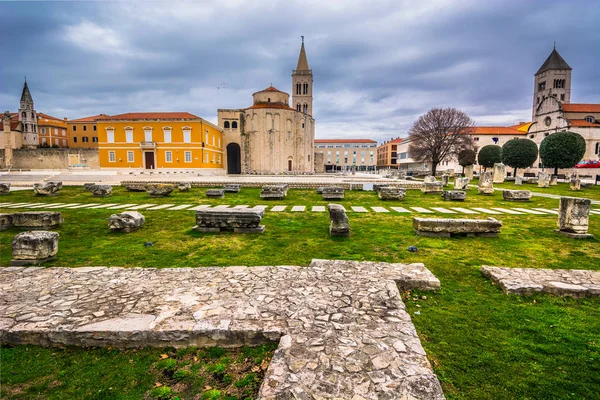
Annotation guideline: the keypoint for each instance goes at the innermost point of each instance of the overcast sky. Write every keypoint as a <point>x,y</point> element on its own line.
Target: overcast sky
<point>377,65</point>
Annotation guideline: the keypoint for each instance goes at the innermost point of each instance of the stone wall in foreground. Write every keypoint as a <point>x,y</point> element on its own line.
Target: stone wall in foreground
<point>48,158</point>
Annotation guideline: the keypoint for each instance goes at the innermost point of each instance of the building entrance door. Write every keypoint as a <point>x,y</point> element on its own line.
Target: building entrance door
<point>149,157</point>
<point>234,165</point>
<point>290,165</point>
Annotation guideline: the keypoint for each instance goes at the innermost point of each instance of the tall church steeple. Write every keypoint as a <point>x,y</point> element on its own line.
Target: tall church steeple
<point>553,79</point>
<point>302,82</point>
<point>28,118</point>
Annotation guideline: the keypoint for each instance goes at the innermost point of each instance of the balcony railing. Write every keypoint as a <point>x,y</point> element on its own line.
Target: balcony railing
<point>148,145</point>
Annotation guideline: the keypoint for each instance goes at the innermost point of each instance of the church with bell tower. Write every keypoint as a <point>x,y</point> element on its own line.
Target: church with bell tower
<point>302,82</point>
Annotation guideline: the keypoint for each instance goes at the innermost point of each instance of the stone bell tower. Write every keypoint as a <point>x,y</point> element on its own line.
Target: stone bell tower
<point>553,79</point>
<point>302,84</point>
<point>28,118</point>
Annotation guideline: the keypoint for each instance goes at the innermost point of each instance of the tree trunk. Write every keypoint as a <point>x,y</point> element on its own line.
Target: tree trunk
<point>515,173</point>
<point>433,168</point>
<point>555,170</point>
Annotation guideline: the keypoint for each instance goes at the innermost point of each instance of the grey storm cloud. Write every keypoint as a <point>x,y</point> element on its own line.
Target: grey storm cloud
<point>377,65</point>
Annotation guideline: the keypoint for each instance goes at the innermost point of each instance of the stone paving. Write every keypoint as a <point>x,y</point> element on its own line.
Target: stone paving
<point>342,327</point>
<point>560,282</point>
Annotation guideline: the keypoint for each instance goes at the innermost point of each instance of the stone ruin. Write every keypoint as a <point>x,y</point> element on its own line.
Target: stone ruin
<point>31,220</point>
<point>4,187</point>
<point>499,173</point>
<point>101,190</point>
<point>543,180</point>
<point>87,187</point>
<point>127,221</point>
<point>516,195</point>
<point>461,183</point>
<point>391,193</point>
<point>47,188</point>
<point>184,186</point>
<point>553,180</point>
<point>34,247</point>
<point>320,190</point>
<point>339,225</point>
<point>573,217</point>
<point>575,183</point>
<point>215,193</point>
<point>454,195</point>
<point>445,180</point>
<point>159,189</point>
<point>431,186</point>
<point>468,171</point>
<point>232,188</point>
<point>445,227</point>
<point>485,183</point>
<point>238,220</point>
<point>135,187</point>
<point>333,193</point>
<point>518,180</point>
<point>275,192</point>
<point>6,221</point>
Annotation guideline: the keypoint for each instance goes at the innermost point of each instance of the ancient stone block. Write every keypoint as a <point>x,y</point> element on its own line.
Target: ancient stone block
<point>87,187</point>
<point>378,186</point>
<point>445,180</point>
<point>573,217</point>
<point>454,195</point>
<point>432,187</point>
<point>184,186</point>
<point>339,225</point>
<point>518,180</point>
<point>575,183</point>
<point>429,179</point>
<point>4,187</point>
<point>553,180</point>
<point>320,190</point>
<point>485,183</point>
<point>543,180</point>
<point>6,221</point>
<point>516,195</point>
<point>242,220</point>
<point>47,188</point>
<point>215,193</point>
<point>101,190</point>
<point>456,227</point>
<point>35,247</point>
<point>333,193</point>
<point>391,193</point>
<point>469,172</point>
<point>273,192</point>
<point>461,183</point>
<point>37,219</point>
<point>232,188</point>
<point>127,221</point>
<point>135,187</point>
<point>159,189</point>
<point>499,173</point>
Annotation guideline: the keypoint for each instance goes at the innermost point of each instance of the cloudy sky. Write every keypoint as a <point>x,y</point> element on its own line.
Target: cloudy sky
<point>377,64</point>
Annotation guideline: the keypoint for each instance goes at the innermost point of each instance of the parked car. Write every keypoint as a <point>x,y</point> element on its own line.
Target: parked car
<point>588,164</point>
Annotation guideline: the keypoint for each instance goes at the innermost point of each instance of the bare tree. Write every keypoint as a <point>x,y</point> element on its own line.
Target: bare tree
<point>439,135</point>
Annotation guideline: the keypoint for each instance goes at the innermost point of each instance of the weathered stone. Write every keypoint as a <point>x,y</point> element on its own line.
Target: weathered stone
<point>275,192</point>
<point>101,190</point>
<point>573,217</point>
<point>184,186</point>
<point>429,179</point>
<point>339,225</point>
<point>575,183</point>
<point>320,190</point>
<point>127,221</point>
<point>215,193</point>
<point>431,186</point>
<point>135,187</point>
<point>87,187</point>
<point>543,180</point>
<point>6,221</point>
<point>456,227</point>
<point>47,188</point>
<point>454,195</point>
<point>461,183</point>
<point>468,170</point>
<point>232,188</point>
<point>391,193</point>
<point>4,187</point>
<point>518,180</point>
<point>516,195</point>
<point>159,189</point>
<point>553,180</point>
<point>377,186</point>
<point>37,219</point>
<point>485,183</point>
<point>239,220</point>
<point>34,247</point>
<point>333,193</point>
<point>445,180</point>
<point>499,173</point>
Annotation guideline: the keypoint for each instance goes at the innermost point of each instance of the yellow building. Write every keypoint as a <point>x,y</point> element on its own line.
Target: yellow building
<point>52,131</point>
<point>83,132</point>
<point>158,140</point>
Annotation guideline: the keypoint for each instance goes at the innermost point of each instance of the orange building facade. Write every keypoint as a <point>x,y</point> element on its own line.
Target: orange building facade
<point>83,132</point>
<point>52,131</point>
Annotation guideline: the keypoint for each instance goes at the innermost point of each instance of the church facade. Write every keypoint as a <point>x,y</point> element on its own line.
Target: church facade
<point>270,136</point>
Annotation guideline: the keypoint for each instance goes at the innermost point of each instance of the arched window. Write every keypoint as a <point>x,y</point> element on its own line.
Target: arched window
<point>226,125</point>
<point>590,119</point>
<point>24,115</point>
<point>305,108</point>
<point>597,148</point>
<point>234,125</point>
<point>305,91</point>
<point>269,100</point>
<point>32,115</point>
<point>298,88</point>
<point>298,107</point>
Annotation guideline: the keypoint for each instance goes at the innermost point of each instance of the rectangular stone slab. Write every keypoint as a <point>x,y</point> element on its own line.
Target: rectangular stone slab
<point>448,226</point>
<point>228,218</point>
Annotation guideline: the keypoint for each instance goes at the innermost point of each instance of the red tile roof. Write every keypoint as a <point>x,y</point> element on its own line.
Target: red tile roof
<point>583,123</point>
<point>495,130</point>
<point>345,141</point>
<point>46,116</point>
<point>271,105</point>
<point>88,119</point>
<point>270,89</point>
<point>14,125</point>
<point>591,108</point>
<point>147,115</point>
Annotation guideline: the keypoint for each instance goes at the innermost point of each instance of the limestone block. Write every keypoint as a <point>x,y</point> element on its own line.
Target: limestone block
<point>87,187</point>
<point>184,186</point>
<point>445,180</point>
<point>47,188</point>
<point>469,172</point>
<point>377,186</point>
<point>499,173</point>
<point>101,190</point>
<point>553,180</point>
<point>518,180</point>
<point>320,190</point>
<point>456,227</point>
<point>232,188</point>
<point>34,247</point>
<point>432,187</point>
<point>461,183</point>
<point>333,193</point>
<point>6,221</point>
<point>429,179</point>
<point>38,219</point>
<point>485,183</point>
<point>242,220</point>
<point>339,225</point>
<point>516,195</point>
<point>273,192</point>
<point>4,187</point>
<point>159,189</point>
<point>573,215</point>
<point>215,193</point>
<point>135,187</point>
<point>127,221</point>
<point>575,183</point>
<point>392,193</point>
<point>543,180</point>
<point>454,195</point>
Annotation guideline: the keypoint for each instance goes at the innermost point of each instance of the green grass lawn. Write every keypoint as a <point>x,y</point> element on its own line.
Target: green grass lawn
<point>561,189</point>
<point>483,344</point>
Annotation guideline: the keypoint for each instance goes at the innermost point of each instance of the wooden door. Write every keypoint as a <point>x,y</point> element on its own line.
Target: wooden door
<point>149,156</point>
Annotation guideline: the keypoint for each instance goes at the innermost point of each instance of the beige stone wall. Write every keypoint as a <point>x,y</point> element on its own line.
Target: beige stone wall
<point>51,158</point>
<point>319,163</point>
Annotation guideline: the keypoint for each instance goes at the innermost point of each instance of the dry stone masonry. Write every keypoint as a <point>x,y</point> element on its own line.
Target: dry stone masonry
<point>516,195</point>
<point>4,188</point>
<point>485,183</point>
<point>47,188</point>
<point>34,247</point>
<point>339,225</point>
<point>342,328</point>
<point>574,217</point>
<point>391,193</point>
<point>127,221</point>
<point>238,220</point>
<point>454,195</point>
<point>442,227</point>
<point>333,193</point>
<point>559,282</point>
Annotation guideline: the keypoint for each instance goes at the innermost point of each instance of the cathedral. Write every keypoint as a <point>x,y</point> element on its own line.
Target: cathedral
<point>270,136</point>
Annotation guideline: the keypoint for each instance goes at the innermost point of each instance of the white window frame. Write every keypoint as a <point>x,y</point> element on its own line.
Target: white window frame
<point>110,135</point>
<point>43,131</point>
<point>56,131</point>
<point>168,156</point>
<point>214,158</point>
<point>128,135</point>
<point>130,156</point>
<point>148,134</point>
<point>219,143</point>
<point>206,136</point>
<point>185,157</point>
<point>112,156</point>
<point>168,134</point>
<point>187,135</point>
<point>206,158</point>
